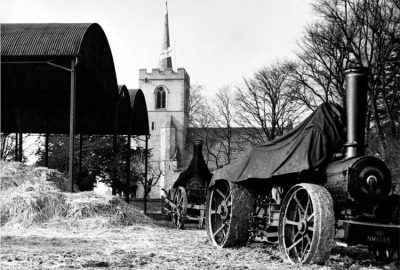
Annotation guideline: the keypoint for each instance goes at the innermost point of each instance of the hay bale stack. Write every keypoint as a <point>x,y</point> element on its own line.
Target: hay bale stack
<point>12,174</point>
<point>34,196</point>
<point>31,207</point>
<point>29,178</point>
<point>53,176</point>
<point>111,209</point>
<point>28,195</point>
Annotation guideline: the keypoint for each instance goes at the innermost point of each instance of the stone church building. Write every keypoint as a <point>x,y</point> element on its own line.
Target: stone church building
<point>167,97</point>
<point>167,92</point>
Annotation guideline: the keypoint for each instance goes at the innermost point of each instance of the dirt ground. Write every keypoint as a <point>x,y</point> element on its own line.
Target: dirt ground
<point>155,246</point>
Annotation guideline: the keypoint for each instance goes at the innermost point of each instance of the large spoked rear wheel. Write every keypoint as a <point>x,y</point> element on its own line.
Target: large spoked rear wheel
<point>179,214</point>
<point>306,224</point>
<point>227,214</point>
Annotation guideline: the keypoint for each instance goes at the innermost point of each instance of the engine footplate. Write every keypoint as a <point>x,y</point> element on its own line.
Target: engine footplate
<point>367,233</point>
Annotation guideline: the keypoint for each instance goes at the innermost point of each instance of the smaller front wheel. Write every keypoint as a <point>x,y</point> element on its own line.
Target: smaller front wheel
<point>306,224</point>
<point>180,201</point>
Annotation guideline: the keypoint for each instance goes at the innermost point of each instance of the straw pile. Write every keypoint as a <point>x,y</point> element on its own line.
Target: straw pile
<point>28,178</point>
<point>100,208</point>
<point>35,196</point>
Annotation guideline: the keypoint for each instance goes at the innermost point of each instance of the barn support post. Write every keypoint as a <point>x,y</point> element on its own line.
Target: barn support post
<point>145,173</point>
<point>20,151</point>
<point>80,155</point>
<point>128,165</point>
<point>72,124</point>
<point>114,169</point>
<point>46,150</point>
<point>115,151</point>
<point>16,147</point>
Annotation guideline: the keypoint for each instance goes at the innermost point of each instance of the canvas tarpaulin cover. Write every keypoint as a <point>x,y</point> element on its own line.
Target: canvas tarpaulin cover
<point>308,146</point>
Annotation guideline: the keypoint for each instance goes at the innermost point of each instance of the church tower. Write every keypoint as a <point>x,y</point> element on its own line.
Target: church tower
<point>167,97</point>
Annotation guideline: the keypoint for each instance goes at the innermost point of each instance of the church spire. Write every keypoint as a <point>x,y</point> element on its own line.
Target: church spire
<point>165,56</point>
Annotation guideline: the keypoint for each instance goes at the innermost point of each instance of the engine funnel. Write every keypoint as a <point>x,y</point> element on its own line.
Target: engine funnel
<point>356,106</point>
<point>197,157</point>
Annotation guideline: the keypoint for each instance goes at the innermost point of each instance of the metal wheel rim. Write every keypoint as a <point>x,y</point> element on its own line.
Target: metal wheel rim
<point>298,226</point>
<point>179,202</point>
<point>220,212</point>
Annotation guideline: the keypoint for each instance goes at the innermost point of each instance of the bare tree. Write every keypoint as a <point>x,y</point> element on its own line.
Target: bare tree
<point>350,33</point>
<point>7,146</point>
<point>319,75</point>
<point>266,106</point>
<point>198,107</point>
<point>155,173</point>
<point>213,124</point>
<point>30,143</point>
<point>225,105</point>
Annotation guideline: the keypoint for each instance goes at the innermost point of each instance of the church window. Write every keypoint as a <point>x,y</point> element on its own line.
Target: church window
<point>160,98</point>
<point>152,125</point>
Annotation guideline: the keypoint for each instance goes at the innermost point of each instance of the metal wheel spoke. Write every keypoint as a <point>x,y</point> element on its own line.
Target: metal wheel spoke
<point>298,203</point>
<point>224,233</point>
<point>310,217</point>
<point>180,199</point>
<point>228,199</point>
<point>220,193</point>
<point>291,222</point>
<point>294,244</point>
<point>220,228</point>
<point>299,212</point>
<point>307,205</point>
<point>305,249</point>
<point>310,228</point>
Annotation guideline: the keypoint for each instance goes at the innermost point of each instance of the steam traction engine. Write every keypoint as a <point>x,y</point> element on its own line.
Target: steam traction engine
<point>307,188</point>
<point>189,191</point>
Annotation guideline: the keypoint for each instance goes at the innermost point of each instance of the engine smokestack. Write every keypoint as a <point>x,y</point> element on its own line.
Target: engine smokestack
<point>197,156</point>
<point>356,105</point>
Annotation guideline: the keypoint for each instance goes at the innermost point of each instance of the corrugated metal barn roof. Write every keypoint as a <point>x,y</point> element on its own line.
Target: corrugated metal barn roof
<point>35,91</point>
<point>132,104</point>
<point>138,105</point>
<point>50,39</point>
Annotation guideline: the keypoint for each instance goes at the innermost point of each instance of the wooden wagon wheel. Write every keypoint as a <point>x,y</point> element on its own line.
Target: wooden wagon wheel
<point>180,200</point>
<point>306,224</point>
<point>228,207</point>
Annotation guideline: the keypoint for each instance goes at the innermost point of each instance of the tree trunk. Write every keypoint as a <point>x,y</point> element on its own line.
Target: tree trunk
<point>381,137</point>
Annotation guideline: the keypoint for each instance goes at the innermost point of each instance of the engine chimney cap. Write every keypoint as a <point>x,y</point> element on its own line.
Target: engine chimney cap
<point>197,142</point>
<point>357,71</point>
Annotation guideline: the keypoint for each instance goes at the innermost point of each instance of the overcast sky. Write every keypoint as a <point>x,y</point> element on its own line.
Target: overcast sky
<point>217,41</point>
